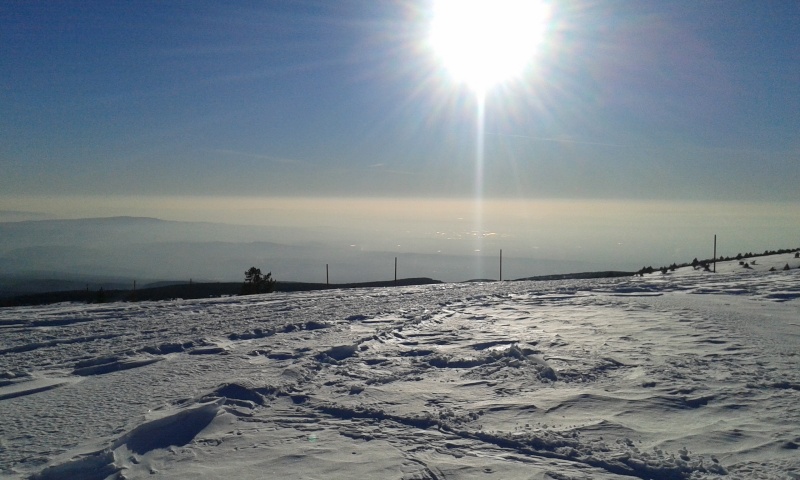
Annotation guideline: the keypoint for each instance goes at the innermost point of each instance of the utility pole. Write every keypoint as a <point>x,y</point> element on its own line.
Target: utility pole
<point>327,278</point>
<point>501,264</point>
<point>395,271</point>
<point>715,253</point>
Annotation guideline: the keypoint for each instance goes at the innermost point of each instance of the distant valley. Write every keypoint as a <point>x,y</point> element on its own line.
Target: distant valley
<point>53,255</point>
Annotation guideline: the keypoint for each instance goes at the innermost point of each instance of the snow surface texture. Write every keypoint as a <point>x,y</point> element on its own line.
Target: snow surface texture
<point>683,375</point>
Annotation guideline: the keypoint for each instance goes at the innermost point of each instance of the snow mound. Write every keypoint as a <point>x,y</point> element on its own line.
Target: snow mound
<point>172,427</point>
<point>30,386</point>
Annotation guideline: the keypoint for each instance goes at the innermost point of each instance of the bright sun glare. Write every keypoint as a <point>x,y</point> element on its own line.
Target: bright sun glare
<point>484,42</point>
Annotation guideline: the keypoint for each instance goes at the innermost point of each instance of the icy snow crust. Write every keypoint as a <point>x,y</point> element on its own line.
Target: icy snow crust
<point>663,377</point>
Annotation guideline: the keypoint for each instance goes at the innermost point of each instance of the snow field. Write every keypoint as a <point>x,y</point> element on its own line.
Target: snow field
<point>665,377</point>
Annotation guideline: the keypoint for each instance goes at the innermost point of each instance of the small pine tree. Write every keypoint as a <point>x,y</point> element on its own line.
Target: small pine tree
<point>255,282</point>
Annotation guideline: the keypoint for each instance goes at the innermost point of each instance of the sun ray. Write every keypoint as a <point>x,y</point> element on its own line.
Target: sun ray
<point>483,43</point>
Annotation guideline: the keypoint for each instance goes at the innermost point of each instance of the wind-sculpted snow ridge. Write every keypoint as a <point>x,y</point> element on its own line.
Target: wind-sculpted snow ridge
<point>180,426</point>
<point>628,461</point>
<point>175,428</point>
<point>661,377</point>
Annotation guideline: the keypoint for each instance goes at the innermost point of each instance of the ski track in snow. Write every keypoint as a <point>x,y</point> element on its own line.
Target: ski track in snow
<point>662,377</point>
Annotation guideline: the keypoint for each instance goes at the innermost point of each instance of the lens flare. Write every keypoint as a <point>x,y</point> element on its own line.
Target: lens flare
<point>484,42</point>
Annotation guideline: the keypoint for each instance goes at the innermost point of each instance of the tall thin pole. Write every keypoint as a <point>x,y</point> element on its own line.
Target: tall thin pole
<point>327,278</point>
<point>715,253</point>
<point>395,270</point>
<point>501,264</point>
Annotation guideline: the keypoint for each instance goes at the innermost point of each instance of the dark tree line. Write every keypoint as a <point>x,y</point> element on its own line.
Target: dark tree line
<point>705,264</point>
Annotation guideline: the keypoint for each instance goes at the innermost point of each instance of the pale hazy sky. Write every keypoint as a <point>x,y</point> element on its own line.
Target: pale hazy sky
<point>137,107</point>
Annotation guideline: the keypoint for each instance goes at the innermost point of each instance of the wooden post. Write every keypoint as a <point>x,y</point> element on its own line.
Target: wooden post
<point>395,271</point>
<point>715,253</point>
<point>501,264</point>
<point>327,278</point>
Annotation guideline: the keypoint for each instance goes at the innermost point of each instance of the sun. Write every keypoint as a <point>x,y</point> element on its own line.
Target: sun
<point>485,42</point>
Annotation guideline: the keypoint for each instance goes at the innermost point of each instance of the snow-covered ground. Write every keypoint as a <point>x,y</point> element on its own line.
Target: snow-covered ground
<point>683,375</point>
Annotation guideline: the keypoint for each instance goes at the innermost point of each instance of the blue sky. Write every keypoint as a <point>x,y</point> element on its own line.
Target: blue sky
<point>626,99</point>
<point>135,107</point>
